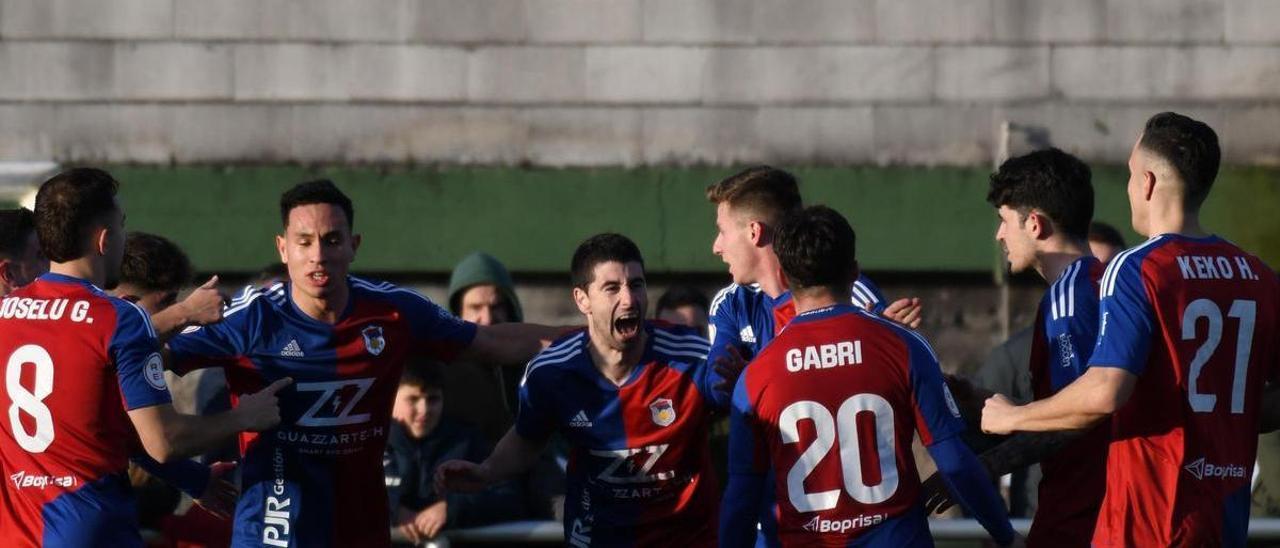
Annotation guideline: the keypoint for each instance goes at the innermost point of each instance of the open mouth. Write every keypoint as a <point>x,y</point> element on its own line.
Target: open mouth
<point>318,278</point>
<point>627,326</point>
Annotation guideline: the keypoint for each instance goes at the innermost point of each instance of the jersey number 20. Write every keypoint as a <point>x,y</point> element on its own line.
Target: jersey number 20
<point>30,402</point>
<point>843,427</point>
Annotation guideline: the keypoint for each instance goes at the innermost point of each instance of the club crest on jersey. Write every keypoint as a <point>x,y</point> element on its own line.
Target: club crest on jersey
<point>373,341</point>
<point>663,412</point>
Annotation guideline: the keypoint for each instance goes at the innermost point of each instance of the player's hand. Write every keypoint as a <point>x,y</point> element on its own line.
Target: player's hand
<point>998,415</point>
<point>729,367</point>
<point>460,476</point>
<point>220,496</point>
<point>204,305</point>
<point>431,519</point>
<point>904,311</point>
<point>937,496</point>
<point>261,410</point>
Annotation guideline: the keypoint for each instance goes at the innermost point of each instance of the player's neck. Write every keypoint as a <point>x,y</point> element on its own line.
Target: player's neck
<point>1057,255</point>
<point>1173,220</point>
<point>614,363</point>
<point>815,299</point>
<point>327,310</point>
<point>84,268</point>
<point>771,279</point>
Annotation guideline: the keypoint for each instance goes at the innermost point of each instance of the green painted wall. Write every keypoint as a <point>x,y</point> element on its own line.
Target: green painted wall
<point>425,219</point>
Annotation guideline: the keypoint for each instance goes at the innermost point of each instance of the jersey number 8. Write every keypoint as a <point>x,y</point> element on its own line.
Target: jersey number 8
<point>31,402</point>
<point>845,428</point>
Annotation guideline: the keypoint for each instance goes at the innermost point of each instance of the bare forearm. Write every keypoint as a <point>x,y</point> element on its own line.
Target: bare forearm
<point>168,435</point>
<point>511,343</point>
<point>1081,404</point>
<point>169,321</point>
<point>514,455</point>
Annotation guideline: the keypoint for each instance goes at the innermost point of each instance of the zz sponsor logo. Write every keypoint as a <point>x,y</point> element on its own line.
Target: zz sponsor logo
<point>1206,470</point>
<point>335,401</point>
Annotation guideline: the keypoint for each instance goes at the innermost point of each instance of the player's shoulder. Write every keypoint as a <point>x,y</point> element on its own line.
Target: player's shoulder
<point>557,357</point>
<point>677,343</point>
<point>257,300</point>
<point>1128,263</point>
<point>733,298</point>
<point>1075,289</point>
<point>400,297</point>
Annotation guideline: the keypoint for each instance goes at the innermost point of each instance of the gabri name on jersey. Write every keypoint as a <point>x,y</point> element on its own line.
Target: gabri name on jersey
<point>824,356</point>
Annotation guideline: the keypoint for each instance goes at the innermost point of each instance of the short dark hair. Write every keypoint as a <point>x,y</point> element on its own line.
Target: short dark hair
<point>16,226</point>
<point>601,248</point>
<point>817,248</point>
<point>766,191</point>
<point>319,191</point>
<point>1191,148</point>
<point>68,206</point>
<point>1050,180</point>
<point>1105,233</point>
<point>423,374</point>
<point>153,263</point>
<point>681,295</point>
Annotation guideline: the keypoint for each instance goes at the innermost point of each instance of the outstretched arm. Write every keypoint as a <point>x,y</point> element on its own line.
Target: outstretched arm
<point>1095,395</point>
<point>509,343</point>
<point>513,456</point>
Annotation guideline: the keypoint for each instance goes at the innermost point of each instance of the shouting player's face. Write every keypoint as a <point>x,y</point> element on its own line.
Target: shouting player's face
<point>1016,239</point>
<point>615,304</point>
<point>736,243</point>
<point>318,248</point>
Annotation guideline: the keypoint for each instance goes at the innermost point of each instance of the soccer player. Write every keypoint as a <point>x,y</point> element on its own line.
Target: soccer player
<point>831,407</point>
<point>632,399</point>
<point>1185,346</point>
<point>1044,201</point>
<point>82,371</point>
<point>748,313</point>
<point>317,479</point>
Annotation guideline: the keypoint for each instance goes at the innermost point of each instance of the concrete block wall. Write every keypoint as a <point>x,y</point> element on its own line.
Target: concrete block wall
<point>624,82</point>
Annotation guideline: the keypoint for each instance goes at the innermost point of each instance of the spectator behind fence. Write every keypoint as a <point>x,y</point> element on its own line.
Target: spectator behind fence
<point>481,291</point>
<point>683,305</point>
<point>421,438</point>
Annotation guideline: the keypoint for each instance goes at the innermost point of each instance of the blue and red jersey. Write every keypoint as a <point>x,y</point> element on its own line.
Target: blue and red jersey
<point>1074,478</point>
<point>75,361</point>
<point>317,478</point>
<point>639,470</point>
<point>1195,320</point>
<point>830,409</point>
<point>745,317</point>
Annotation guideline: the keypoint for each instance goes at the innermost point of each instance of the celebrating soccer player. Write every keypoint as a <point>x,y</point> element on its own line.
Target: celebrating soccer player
<point>82,371</point>
<point>831,407</point>
<point>318,479</point>
<point>633,400</point>
<point>1185,346</point>
<point>1045,201</point>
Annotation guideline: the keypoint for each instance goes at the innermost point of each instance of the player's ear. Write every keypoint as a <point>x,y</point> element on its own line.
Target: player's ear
<point>1039,225</point>
<point>756,232</point>
<point>355,243</point>
<point>100,241</point>
<point>280,244</point>
<point>6,274</point>
<point>580,299</point>
<point>1148,185</point>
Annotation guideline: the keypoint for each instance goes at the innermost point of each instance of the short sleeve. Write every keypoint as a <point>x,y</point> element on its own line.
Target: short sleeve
<point>867,296</point>
<point>1125,323</point>
<point>937,415</point>
<point>535,420</point>
<point>437,333</point>
<point>217,345</point>
<point>135,351</point>
<point>723,330</point>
